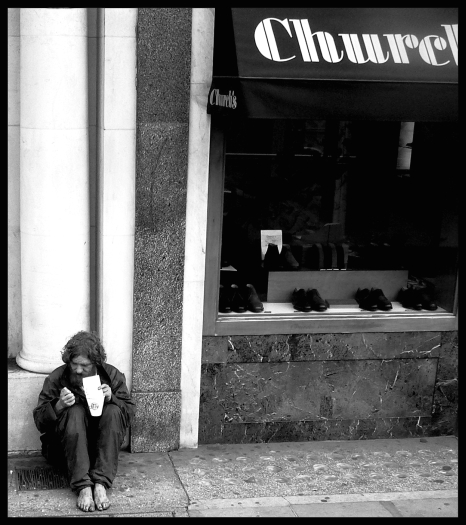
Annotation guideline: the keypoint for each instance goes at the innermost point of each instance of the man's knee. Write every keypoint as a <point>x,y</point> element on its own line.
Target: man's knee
<point>74,419</point>
<point>112,413</point>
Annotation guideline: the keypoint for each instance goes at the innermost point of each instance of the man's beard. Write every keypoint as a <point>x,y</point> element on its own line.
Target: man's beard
<point>76,380</point>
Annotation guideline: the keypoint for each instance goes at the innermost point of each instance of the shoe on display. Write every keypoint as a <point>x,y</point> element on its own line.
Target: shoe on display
<point>299,300</point>
<point>224,301</point>
<point>253,302</point>
<point>238,304</point>
<point>289,262</point>
<point>380,300</point>
<point>315,300</point>
<point>272,261</point>
<point>366,300</point>
<point>426,300</point>
<point>409,298</point>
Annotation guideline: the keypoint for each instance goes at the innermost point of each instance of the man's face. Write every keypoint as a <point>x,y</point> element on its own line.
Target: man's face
<point>80,367</point>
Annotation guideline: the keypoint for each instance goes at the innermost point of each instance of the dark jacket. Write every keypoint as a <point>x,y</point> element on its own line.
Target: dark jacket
<point>44,413</point>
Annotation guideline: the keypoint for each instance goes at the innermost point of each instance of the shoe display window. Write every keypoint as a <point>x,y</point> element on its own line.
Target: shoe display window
<point>367,216</point>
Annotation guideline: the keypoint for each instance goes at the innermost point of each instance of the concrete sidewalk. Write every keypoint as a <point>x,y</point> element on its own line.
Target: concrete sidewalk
<point>391,477</point>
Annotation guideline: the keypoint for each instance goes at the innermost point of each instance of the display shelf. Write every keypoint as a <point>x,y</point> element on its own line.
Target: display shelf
<point>336,309</point>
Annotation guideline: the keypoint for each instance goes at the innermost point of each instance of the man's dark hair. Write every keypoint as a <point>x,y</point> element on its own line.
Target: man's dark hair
<point>85,344</point>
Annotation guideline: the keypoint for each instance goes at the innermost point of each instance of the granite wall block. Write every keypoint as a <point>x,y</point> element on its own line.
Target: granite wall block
<point>163,91</point>
<point>159,256</point>
<point>156,426</point>
<point>164,64</point>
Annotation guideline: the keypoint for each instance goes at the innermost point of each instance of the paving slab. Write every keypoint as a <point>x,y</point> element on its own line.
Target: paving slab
<point>213,472</point>
<point>251,512</point>
<point>433,508</point>
<point>145,483</point>
<point>368,509</point>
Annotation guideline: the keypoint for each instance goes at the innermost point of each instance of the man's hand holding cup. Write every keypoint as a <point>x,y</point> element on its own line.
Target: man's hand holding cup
<point>107,392</point>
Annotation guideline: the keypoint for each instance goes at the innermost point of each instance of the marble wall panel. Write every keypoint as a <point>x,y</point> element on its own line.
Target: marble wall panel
<point>317,430</point>
<point>365,385</point>
<point>309,347</point>
<point>445,403</point>
<point>254,392</point>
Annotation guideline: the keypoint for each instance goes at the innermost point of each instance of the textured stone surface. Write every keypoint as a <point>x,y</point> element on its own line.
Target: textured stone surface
<point>327,386</point>
<point>445,405</point>
<point>318,430</point>
<point>156,425</point>
<point>163,90</point>
<point>318,467</point>
<point>304,347</point>
<point>253,392</point>
<point>159,256</point>
<point>164,64</point>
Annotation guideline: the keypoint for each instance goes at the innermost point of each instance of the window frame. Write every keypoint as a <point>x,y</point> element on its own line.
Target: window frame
<point>296,323</point>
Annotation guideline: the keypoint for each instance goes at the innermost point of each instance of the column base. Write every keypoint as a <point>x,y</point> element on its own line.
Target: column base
<point>41,367</point>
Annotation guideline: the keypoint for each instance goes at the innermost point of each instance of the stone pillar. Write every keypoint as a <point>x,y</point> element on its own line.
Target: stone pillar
<point>196,223</point>
<point>14,246</point>
<point>116,131</point>
<point>54,183</point>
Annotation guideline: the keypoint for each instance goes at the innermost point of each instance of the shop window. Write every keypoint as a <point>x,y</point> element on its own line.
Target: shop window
<point>363,212</point>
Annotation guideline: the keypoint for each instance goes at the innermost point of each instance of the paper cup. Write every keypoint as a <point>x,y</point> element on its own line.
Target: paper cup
<point>94,394</point>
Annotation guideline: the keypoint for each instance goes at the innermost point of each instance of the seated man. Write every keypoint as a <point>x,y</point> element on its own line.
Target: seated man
<point>88,446</point>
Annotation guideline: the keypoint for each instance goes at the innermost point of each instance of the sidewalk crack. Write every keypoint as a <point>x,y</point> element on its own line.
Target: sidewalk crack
<point>179,480</point>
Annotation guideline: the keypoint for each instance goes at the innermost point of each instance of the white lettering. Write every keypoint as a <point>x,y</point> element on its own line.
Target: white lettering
<point>226,101</point>
<point>265,39</point>
<point>452,35</point>
<point>427,52</point>
<point>311,44</point>
<point>372,45</point>
<point>327,45</point>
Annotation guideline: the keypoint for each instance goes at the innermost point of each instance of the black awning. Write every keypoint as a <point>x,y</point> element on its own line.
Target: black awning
<point>344,63</point>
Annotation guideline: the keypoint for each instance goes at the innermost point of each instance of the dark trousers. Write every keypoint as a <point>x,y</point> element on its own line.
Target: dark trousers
<point>91,444</point>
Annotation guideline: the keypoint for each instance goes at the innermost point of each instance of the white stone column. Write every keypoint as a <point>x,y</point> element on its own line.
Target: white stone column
<point>54,183</point>
<point>14,246</point>
<point>116,131</point>
<point>196,223</point>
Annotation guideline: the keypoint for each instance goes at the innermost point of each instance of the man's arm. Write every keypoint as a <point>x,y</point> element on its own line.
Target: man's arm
<point>45,413</point>
<point>121,396</point>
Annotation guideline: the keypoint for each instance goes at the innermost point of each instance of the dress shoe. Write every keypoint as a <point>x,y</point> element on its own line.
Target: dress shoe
<point>224,305</point>
<point>237,301</point>
<point>288,260</point>
<point>381,301</point>
<point>409,298</point>
<point>365,300</point>
<point>253,302</point>
<point>272,261</point>
<point>315,300</point>
<point>299,300</point>
<point>426,300</point>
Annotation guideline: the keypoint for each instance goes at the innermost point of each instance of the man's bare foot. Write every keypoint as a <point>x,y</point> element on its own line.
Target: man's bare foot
<point>85,501</point>
<point>100,497</point>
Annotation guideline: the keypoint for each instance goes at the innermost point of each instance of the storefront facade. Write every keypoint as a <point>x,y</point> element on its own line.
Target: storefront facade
<point>328,122</point>
<point>333,132</point>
